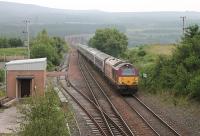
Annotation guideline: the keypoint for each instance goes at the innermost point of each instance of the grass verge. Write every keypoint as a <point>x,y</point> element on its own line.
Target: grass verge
<point>13,51</point>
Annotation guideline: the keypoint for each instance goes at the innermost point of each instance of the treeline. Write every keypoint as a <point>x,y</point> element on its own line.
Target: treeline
<point>52,48</point>
<point>10,42</point>
<point>180,73</point>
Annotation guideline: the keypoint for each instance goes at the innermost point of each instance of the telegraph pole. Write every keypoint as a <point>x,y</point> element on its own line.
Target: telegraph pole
<point>183,19</point>
<point>27,32</point>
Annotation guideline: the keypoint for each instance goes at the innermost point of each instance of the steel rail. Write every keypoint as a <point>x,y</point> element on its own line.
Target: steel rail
<point>155,115</point>
<point>87,98</point>
<point>84,109</point>
<point>112,106</point>
<point>95,100</point>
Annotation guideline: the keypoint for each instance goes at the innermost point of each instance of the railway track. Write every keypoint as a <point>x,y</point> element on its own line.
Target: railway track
<point>100,122</point>
<point>153,121</point>
<point>92,114</point>
<point>102,116</point>
<point>89,112</point>
<point>158,125</point>
<point>114,121</point>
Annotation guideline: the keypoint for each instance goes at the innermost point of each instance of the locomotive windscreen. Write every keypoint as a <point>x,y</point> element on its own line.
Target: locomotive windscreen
<point>128,72</point>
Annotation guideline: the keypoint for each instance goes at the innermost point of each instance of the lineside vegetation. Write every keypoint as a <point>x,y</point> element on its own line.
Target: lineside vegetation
<point>110,41</point>
<point>174,70</point>
<point>51,47</point>
<point>43,116</point>
<point>178,74</point>
<point>2,75</point>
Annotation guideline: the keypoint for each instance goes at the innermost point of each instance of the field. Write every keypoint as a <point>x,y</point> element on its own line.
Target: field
<point>159,49</point>
<point>151,35</point>
<point>13,51</point>
<point>151,53</point>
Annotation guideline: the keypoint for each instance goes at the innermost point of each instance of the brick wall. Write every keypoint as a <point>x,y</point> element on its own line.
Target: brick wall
<point>37,86</point>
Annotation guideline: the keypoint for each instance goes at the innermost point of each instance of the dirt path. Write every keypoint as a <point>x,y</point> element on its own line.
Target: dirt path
<point>8,120</point>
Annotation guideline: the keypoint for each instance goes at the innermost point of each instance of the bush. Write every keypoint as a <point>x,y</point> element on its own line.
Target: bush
<point>141,53</point>
<point>52,48</point>
<point>194,87</point>
<point>42,116</point>
<point>2,75</point>
<point>42,50</point>
<point>180,72</point>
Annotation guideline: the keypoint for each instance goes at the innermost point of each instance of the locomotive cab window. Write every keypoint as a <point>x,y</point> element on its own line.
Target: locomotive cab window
<point>127,72</point>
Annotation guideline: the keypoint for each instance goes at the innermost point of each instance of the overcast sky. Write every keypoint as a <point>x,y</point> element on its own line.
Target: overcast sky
<point>118,5</point>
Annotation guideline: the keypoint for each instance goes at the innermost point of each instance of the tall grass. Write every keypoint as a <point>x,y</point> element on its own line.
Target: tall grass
<point>43,116</point>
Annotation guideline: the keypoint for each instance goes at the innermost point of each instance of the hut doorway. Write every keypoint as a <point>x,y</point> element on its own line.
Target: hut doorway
<point>24,87</point>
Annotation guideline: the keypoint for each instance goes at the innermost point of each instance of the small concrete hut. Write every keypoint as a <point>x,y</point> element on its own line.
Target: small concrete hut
<point>25,77</point>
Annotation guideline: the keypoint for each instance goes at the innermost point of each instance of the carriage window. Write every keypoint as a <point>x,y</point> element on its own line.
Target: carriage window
<point>128,72</point>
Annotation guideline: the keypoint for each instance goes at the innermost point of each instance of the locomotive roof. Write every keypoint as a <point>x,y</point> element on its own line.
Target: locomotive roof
<point>99,54</point>
<point>93,50</point>
<point>113,61</point>
<point>122,64</point>
<point>117,63</point>
<point>83,46</point>
<point>102,55</point>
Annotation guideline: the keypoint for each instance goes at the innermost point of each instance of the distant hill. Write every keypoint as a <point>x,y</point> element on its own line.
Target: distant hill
<point>141,27</point>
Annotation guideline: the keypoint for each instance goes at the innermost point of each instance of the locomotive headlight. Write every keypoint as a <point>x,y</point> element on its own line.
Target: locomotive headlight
<point>136,79</point>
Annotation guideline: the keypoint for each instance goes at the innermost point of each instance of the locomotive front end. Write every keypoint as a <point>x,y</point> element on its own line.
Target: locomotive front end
<point>128,78</point>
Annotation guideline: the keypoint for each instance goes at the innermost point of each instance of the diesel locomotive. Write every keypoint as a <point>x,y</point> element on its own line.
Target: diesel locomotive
<point>123,75</point>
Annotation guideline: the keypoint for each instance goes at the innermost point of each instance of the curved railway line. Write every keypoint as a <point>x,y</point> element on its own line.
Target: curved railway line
<point>101,114</point>
<point>115,123</point>
<point>91,113</point>
<point>101,121</point>
<point>94,120</point>
<point>151,119</point>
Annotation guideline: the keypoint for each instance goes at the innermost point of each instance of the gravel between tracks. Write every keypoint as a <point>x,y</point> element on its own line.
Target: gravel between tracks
<point>187,118</point>
<point>132,119</point>
<point>75,78</point>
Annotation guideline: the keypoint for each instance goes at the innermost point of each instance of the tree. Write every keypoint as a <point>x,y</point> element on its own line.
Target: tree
<point>42,50</point>
<point>110,41</point>
<point>45,46</point>
<point>15,42</point>
<point>191,32</point>
<point>179,73</point>
<point>59,44</point>
<point>4,42</point>
<point>12,42</point>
